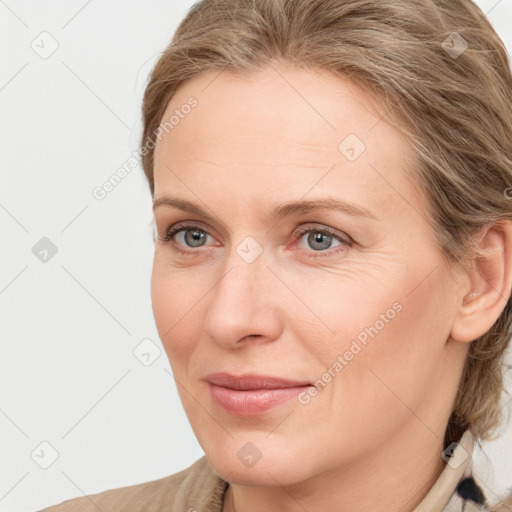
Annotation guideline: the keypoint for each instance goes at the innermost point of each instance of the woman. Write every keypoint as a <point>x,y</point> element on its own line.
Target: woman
<point>333,263</point>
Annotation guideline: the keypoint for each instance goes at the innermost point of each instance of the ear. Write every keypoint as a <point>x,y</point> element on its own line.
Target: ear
<point>488,284</point>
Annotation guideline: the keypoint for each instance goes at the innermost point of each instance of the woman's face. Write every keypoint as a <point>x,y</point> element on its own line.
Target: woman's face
<point>267,276</point>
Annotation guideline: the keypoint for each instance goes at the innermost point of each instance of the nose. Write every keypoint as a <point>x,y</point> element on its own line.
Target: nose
<point>244,304</point>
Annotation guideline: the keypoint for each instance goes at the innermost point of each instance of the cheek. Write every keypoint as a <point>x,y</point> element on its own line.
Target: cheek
<point>397,307</point>
<point>176,301</point>
<point>391,344</point>
<point>394,327</point>
<point>345,310</point>
<point>402,344</point>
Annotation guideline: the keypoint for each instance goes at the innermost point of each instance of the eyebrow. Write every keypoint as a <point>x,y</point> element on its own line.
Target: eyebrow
<point>278,212</point>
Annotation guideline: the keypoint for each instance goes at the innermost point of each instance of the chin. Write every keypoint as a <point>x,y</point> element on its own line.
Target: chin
<point>239,464</point>
<point>264,474</point>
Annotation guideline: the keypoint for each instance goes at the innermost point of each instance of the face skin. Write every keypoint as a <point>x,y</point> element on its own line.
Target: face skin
<point>253,143</point>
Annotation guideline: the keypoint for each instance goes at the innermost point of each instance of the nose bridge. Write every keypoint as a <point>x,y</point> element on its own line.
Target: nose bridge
<point>241,303</point>
<point>246,266</point>
<point>244,278</point>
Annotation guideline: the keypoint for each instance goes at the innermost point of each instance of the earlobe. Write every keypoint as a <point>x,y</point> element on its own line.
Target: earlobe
<point>489,283</point>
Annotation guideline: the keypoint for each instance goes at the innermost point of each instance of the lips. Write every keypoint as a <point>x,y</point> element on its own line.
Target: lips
<point>251,394</point>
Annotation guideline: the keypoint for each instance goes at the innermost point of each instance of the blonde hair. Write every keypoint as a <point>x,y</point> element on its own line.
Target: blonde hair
<point>454,104</point>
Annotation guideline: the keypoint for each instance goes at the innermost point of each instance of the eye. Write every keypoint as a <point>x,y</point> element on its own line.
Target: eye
<point>320,240</point>
<point>184,235</point>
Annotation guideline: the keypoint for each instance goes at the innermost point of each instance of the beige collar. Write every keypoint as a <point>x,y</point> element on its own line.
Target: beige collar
<point>439,495</point>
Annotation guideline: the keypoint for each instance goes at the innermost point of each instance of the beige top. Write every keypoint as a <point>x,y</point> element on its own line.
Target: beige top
<point>199,489</point>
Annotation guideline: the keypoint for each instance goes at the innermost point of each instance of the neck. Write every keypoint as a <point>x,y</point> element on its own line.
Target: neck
<point>394,478</point>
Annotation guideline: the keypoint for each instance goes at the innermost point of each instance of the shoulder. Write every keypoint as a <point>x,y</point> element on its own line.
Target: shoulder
<point>197,486</point>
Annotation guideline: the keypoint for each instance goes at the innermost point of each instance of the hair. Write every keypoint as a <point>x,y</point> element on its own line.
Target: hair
<point>440,72</point>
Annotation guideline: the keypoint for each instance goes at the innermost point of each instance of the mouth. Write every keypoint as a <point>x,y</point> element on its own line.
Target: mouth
<point>251,394</point>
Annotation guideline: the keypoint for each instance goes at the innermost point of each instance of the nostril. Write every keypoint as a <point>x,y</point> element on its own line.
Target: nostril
<point>249,336</point>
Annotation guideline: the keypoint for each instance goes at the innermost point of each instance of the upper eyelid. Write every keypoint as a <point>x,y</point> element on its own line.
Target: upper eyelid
<point>332,231</point>
<point>183,226</point>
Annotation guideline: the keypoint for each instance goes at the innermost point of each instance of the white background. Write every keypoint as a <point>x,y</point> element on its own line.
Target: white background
<point>69,325</point>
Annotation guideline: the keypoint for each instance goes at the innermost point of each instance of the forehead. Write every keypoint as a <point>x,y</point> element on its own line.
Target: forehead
<point>281,128</point>
<point>278,103</point>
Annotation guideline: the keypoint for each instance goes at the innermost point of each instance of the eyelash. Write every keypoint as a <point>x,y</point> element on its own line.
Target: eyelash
<point>345,241</point>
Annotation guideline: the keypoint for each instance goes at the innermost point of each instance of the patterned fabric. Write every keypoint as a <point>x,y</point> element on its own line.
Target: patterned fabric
<point>456,489</point>
<point>468,496</point>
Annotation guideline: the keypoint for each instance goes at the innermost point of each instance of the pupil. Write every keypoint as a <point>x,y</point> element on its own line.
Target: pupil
<point>194,236</point>
<point>321,239</point>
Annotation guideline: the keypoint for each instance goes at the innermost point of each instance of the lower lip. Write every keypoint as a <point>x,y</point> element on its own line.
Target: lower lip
<point>252,402</point>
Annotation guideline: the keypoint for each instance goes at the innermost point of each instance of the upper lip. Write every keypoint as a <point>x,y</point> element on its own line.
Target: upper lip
<point>252,381</point>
